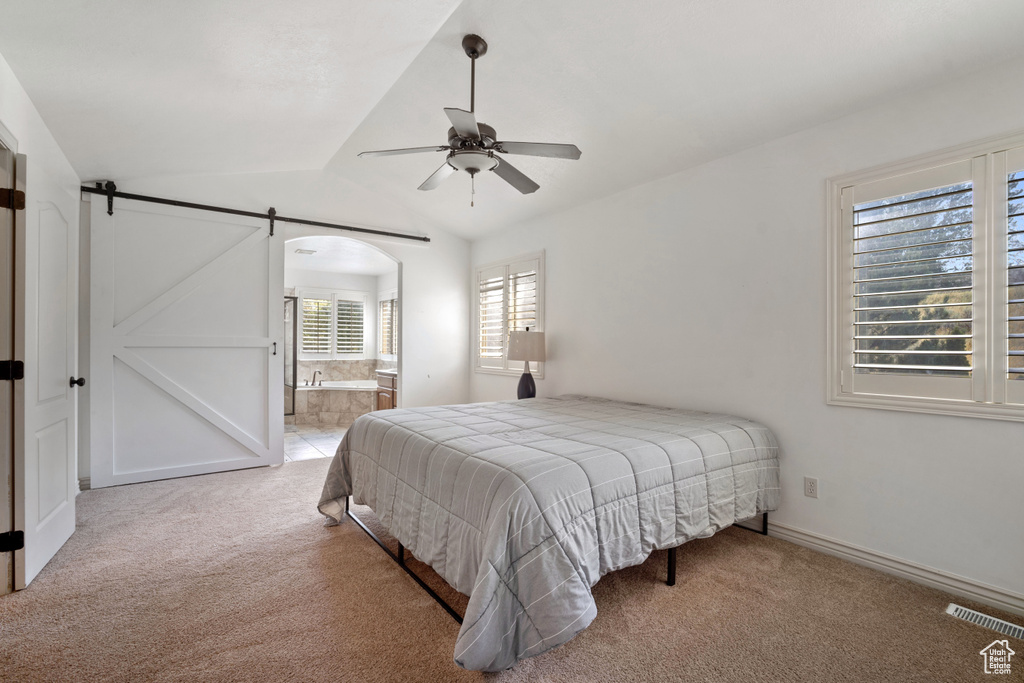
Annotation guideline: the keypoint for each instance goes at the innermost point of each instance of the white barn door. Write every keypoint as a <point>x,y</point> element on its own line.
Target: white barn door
<point>186,314</point>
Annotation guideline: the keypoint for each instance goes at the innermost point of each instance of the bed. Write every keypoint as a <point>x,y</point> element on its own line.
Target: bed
<point>523,505</point>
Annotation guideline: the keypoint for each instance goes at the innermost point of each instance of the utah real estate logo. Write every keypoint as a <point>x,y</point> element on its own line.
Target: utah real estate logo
<point>997,657</point>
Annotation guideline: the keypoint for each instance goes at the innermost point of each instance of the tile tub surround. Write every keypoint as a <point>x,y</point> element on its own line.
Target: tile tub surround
<point>334,370</point>
<point>334,407</point>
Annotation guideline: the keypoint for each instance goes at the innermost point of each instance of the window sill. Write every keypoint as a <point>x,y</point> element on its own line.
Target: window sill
<point>990,411</point>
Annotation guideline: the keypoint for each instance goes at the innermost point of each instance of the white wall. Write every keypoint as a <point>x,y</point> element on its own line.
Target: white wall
<point>721,306</point>
<point>318,279</point>
<point>47,165</point>
<point>432,276</point>
<point>19,116</point>
<point>387,282</point>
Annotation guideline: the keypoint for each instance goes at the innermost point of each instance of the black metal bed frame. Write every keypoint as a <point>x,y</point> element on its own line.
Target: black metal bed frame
<point>399,558</point>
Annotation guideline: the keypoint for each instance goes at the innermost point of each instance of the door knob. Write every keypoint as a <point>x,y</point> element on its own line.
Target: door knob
<point>78,382</point>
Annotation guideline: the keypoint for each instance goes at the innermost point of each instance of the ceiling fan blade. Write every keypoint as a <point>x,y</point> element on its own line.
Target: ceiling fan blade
<point>437,177</point>
<point>539,149</point>
<point>407,150</point>
<point>511,175</point>
<point>464,123</point>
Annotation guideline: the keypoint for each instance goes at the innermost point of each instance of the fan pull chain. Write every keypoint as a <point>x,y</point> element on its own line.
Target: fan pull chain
<point>472,192</point>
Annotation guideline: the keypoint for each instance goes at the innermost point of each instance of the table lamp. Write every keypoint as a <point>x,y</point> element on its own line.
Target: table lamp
<point>526,346</point>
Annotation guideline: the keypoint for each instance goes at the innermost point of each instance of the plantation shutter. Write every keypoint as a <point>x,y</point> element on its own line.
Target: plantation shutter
<point>509,298</point>
<point>316,325</point>
<point>913,289</point>
<point>491,299</point>
<point>1013,390</point>
<point>388,319</point>
<point>522,296</point>
<point>349,326</point>
<point>1015,275</point>
<point>926,284</point>
<point>913,282</point>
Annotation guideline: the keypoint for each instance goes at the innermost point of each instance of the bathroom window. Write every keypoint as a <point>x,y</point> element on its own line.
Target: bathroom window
<point>387,315</point>
<point>333,325</point>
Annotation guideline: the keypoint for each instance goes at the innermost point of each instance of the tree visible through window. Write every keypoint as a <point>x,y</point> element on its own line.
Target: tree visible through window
<point>913,281</point>
<point>1015,275</point>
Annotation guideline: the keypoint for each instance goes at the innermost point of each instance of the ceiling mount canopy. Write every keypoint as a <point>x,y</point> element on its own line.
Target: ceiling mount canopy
<point>474,147</point>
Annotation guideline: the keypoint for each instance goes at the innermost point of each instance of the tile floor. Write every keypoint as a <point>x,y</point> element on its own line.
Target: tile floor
<point>305,442</point>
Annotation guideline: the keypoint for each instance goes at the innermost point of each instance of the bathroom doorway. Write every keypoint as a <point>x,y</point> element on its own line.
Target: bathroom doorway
<point>342,300</point>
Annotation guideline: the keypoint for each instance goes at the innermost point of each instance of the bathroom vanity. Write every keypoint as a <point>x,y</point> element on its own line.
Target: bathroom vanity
<point>387,389</point>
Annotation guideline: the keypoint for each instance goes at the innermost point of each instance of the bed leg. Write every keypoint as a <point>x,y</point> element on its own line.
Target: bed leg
<point>671,567</point>
<point>399,559</point>
<point>764,525</point>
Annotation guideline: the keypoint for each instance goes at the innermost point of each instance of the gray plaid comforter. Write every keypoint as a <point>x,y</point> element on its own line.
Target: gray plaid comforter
<point>524,505</point>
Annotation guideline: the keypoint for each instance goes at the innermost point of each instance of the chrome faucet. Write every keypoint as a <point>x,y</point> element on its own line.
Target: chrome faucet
<point>315,372</point>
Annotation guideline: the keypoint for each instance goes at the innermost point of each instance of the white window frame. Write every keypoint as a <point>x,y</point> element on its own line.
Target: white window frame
<point>511,368</point>
<point>987,393</point>
<point>387,295</point>
<point>335,296</point>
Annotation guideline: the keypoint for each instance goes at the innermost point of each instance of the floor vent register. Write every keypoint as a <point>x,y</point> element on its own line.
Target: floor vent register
<point>1004,627</point>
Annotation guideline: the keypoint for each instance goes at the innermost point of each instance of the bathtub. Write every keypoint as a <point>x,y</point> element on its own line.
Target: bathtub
<point>345,385</point>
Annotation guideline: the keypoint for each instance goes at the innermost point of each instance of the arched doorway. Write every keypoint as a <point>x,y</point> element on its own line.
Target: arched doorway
<point>341,338</point>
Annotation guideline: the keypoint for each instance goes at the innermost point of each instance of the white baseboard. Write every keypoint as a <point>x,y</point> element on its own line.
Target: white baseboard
<point>84,484</point>
<point>935,578</point>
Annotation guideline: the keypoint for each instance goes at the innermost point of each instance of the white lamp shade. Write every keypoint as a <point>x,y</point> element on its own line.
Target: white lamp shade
<point>526,346</point>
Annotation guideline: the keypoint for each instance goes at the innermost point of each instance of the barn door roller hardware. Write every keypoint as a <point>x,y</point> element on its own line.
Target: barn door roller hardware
<point>109,189</point>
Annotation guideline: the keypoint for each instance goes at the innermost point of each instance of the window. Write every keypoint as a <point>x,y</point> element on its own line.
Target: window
<point>510,296</point>
<point>388,317</point>
<point>926,284</point>
<point>316,325</point>
<point>333,325</point>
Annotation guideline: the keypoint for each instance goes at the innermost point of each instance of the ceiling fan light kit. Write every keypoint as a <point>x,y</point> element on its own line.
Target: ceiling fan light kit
<point>473,147</point>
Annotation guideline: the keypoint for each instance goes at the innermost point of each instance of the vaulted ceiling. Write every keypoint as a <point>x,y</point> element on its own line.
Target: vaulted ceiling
<point>140,90</point>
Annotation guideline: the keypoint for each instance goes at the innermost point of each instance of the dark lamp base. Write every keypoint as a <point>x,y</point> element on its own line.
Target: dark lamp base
<point>527,388</point>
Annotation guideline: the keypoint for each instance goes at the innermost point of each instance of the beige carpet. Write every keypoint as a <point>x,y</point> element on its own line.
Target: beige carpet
<point>233,577</point>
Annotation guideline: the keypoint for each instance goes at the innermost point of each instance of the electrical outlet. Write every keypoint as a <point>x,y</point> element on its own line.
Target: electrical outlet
<point>810,487</point>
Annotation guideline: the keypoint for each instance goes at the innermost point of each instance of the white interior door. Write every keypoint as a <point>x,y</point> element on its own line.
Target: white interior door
<point>186,318</point>
<point>6,353</point>
<point>46,336</point>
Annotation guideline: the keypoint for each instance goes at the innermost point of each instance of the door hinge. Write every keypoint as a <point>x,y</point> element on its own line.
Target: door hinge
<point>11,541</point>
<point>12,199</point>
<point>12,369</point>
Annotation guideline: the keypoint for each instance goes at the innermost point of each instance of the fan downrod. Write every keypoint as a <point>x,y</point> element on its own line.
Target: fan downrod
<point>474,45</point>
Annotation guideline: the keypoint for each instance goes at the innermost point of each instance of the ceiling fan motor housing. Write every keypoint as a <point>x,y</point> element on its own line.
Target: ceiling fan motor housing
<point>488,137</point>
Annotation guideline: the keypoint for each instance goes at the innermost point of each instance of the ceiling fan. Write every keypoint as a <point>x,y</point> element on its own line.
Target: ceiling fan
<point>471,146</point>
